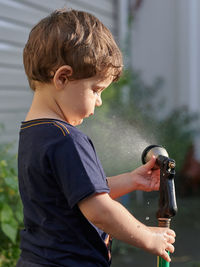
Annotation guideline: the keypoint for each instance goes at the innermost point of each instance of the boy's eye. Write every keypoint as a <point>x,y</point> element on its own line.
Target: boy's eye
<point>97,92</point>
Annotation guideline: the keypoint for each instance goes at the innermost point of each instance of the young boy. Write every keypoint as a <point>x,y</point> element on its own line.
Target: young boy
<point>70,213</point>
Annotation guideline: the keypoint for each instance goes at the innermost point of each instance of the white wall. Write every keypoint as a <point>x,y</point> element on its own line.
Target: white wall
<point>166,43</point>
<point>153,44</point>
<point>17,17</point>
<point>188,53</point>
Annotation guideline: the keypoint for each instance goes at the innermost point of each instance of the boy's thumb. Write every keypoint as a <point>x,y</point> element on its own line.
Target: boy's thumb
<point>151,163</point>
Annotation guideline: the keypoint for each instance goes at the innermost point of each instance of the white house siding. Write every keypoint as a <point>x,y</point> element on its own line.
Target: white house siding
<point>17,17</point>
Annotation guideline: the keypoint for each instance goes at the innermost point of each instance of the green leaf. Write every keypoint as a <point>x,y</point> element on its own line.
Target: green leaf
<point>10,231</point>
<point>19,213</point>
<point>12,182</point>
<point>3,163</point>
<point>2,199</point>
<point>9,225</point>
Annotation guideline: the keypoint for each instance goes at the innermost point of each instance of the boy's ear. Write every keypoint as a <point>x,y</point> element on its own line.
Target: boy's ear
<point>60,78</point>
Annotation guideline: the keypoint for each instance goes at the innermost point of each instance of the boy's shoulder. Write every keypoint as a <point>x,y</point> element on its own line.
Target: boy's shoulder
<point>70,131</point>
<point>51,128</point>
<point>52,138</point>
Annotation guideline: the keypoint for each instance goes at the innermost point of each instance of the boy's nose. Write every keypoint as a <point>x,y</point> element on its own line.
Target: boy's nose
<point>98,101</point>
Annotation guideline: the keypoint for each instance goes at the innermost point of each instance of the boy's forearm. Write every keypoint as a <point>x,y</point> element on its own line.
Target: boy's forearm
<point>114,219</point>
<point>123,226</point>
<point>121,184</point>
<point>143,178</point>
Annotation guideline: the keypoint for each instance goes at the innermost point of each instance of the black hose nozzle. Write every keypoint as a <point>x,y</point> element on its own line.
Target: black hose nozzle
<point>167,200</point>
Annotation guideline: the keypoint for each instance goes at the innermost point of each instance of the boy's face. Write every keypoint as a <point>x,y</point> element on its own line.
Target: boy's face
<point>80,97</point>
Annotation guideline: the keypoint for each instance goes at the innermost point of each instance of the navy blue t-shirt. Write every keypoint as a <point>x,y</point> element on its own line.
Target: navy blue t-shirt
<point>57,168</point>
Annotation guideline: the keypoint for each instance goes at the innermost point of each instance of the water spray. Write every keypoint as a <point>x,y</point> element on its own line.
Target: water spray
<point>167,198</point>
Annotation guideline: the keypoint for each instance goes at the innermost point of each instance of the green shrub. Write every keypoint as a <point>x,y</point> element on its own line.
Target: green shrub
<point>10,209</point>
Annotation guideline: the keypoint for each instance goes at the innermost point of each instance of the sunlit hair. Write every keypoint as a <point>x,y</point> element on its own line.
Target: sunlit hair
<point>74,38</point>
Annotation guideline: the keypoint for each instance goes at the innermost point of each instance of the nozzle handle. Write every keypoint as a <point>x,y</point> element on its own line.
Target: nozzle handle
<point>167,198</point>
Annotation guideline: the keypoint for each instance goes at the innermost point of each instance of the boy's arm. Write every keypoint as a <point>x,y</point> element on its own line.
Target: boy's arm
<point>142,178</point>
<point>110,216</point>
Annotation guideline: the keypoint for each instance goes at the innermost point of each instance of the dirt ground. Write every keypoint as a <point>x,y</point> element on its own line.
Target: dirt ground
<point>186,225</point>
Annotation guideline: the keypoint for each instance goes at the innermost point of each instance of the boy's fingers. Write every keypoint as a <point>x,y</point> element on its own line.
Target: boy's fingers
<point>170,248</point>
<point>169,238</point>
<point>166,256</point>
<point>171,232</point>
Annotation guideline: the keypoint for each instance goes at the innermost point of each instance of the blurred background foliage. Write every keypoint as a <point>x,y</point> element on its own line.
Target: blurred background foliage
<point>130,118</point>
<point>11,220</point>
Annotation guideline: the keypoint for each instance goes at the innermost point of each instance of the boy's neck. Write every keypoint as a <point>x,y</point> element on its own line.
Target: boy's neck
<point>44,105</point>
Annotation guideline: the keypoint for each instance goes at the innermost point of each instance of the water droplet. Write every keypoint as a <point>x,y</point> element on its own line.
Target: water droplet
<point>148,202</point>
<point>147,218</point>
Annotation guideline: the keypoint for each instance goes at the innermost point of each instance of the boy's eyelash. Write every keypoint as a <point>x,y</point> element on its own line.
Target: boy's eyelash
<point>97,91</point>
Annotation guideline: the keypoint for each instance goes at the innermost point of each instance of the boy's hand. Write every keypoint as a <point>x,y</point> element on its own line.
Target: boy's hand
<point>163,230</point>
<point>110,216</point>
<point>143,178</point>
<point>147,178</point>
<point>162,241</point>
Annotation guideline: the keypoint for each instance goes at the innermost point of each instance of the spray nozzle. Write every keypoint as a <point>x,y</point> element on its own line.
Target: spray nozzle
<point>167,200</point>
<point>161,156</point>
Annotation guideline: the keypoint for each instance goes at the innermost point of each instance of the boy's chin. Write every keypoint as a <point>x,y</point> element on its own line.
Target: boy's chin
<point>77,122</point>
<point>80,122</point>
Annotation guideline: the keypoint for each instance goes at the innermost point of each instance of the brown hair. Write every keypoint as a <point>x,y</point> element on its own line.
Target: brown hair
<point>74,38</point>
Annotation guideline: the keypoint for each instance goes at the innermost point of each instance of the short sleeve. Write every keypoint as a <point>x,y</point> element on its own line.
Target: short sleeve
<point>77,169</point>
